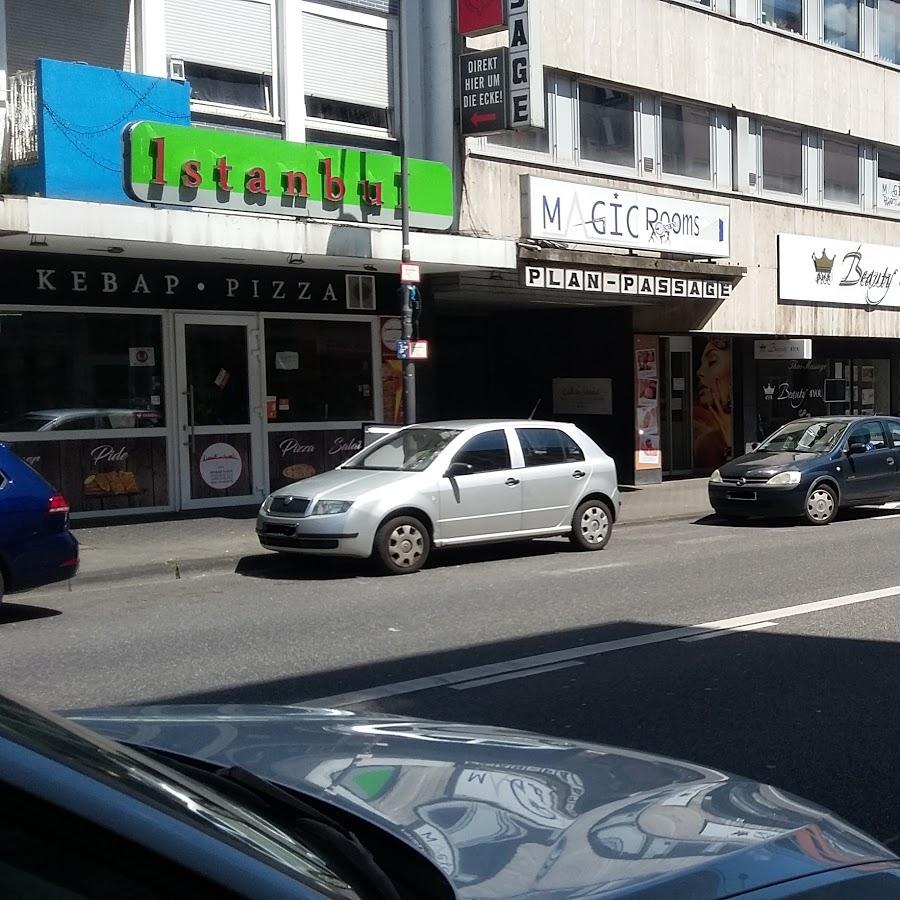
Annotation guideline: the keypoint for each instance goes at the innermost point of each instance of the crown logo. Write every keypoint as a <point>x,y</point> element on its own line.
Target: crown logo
<point>769,391</point>
<point>823,263</point>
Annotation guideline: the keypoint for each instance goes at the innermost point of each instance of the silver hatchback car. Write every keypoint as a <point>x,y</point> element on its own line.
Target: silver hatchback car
<point>446,484</point>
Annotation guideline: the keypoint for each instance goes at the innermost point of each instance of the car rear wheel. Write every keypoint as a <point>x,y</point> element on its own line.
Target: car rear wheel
<point>592,525</point>
<point>402,545</point>
<point>821,505</point>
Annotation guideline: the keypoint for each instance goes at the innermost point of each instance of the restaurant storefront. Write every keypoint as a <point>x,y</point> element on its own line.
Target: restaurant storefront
<point>145,385</point>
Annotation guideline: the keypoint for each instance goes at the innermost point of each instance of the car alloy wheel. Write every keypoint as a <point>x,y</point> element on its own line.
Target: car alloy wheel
<point>591,525</point>
<point>821,505</point>
<point>402,545</point>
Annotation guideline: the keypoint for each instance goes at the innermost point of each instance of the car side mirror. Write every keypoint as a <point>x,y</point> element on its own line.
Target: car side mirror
<point>856,446</point>
<point>458,468</point>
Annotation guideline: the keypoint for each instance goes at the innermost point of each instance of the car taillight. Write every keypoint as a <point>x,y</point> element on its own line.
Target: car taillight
<point>58,504</point>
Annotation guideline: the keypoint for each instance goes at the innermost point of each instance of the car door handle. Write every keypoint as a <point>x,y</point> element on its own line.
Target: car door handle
<point>890,460</point>
<point>512,482</point>
<point>578,474</point>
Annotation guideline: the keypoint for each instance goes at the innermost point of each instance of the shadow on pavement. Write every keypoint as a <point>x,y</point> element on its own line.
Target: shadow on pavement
<point>812,714</point>
<point>20,612</point>
<point>298,567</point>
<point>854,514</point>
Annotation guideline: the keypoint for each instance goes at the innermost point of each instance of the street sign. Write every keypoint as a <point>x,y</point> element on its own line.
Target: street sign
<point>418,350</point>
<point>403,349</point>
<point>483,91</point>
<point>410,273</point>
<point>480,16</point>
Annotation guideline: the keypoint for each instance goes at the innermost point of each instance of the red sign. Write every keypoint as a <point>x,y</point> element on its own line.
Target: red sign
<point>480,16</point>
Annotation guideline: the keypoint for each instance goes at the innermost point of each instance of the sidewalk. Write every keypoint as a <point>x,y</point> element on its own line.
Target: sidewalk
<point>163,549</point>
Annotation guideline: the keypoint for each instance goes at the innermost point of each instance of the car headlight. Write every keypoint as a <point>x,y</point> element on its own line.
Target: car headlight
<point>716,477</point>
<point>784,478</point>
<point>266,504</point>
<point>331,507</point>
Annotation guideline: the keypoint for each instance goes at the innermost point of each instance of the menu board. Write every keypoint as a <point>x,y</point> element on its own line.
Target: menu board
<point>103,474</point>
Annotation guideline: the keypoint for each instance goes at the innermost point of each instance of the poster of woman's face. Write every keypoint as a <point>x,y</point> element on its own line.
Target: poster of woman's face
<point>646,362</point>
<point>713,426</point>
<point>648,391</point>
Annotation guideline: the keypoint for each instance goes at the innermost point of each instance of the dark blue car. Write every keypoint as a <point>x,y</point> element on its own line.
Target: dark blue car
<point>813,468</point>
<point>36,546</point>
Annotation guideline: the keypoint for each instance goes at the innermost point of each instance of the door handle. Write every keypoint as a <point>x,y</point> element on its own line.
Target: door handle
<point>578,474</point>
<point>890,460</point>
<point>512,482</point>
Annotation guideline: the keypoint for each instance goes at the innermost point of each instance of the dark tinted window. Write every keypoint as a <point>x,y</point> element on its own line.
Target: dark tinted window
<point>489,452</point>
<point>80,423</point>
<point>547,447</point>
<point>871,434</point>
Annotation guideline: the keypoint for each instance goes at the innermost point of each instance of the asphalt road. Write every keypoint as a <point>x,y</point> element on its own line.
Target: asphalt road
<point>768,650</point>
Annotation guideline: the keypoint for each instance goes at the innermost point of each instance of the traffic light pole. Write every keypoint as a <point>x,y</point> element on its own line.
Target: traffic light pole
<point>409,367</point>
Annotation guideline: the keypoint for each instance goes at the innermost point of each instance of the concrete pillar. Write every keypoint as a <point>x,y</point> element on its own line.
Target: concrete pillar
<point>290,68</point>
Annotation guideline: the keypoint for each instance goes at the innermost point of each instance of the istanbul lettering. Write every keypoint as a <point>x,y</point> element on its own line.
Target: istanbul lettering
<point>255,179</point>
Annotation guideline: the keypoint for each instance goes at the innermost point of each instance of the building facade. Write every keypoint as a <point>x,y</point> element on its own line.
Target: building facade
<point>748,145</point>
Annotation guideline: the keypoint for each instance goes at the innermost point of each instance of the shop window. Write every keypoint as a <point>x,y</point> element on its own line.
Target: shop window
<point>888,193</point>
<point>229,87</point>
<point>840,19</point>
<point>489,452</point>
<point>686,141</point>
<point>80,371</point>
<point>782,160</point>
<point>318,371</point>
<point>841,171</point>
<point>889,30</point>
<point>784,14</point>
<point>606,120</point>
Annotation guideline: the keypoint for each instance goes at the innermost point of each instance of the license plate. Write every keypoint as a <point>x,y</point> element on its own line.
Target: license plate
<point>742,495</point>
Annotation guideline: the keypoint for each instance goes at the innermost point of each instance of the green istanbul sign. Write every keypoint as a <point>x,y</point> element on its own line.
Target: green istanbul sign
<point>181,166</point>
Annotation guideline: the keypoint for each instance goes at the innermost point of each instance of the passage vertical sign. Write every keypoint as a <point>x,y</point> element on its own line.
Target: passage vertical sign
<point>483,91</point>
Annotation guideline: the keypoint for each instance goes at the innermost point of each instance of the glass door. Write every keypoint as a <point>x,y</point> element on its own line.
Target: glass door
<point>219,410</point>
<point>677,394</point>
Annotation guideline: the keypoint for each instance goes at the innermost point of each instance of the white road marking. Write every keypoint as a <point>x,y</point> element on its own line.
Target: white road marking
<point>447,679</point>
<point>721,632</point>
<point>611,565</point>
<point>511,676</point>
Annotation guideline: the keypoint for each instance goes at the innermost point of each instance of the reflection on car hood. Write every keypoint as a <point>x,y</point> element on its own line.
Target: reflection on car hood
<point>343,484</point>
<point>769,462</point>
<point>508,814</point>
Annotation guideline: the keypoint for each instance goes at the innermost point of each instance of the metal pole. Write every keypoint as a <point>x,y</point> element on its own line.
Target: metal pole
<point>409,367</point>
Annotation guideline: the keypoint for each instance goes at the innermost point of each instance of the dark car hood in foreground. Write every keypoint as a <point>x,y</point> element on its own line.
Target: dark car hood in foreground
<point>761,463</point>
<point>508,814</point>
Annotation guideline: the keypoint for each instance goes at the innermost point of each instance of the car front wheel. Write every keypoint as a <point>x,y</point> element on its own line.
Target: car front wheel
<point>592,525</point>
<point>402,545</point>
<point>821,505</point>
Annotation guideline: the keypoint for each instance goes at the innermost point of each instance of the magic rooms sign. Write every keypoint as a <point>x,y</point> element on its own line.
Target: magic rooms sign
<point>600,216</point>
<point>821,270</point>
<point>182,166</point>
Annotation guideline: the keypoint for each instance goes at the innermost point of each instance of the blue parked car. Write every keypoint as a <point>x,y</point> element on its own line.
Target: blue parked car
<point>36,546</point>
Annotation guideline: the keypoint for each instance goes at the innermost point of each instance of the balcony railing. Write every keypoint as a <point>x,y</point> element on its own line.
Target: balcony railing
<point>22,117</point>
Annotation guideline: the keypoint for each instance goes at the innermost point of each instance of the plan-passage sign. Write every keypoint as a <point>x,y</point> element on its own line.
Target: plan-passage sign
<point>483,91</point>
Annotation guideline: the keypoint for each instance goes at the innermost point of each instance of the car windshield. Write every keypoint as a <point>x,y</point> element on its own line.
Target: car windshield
<point>807,436</point>
<point>28,422</point>
<point>204,809</point>
<point>409,450</point>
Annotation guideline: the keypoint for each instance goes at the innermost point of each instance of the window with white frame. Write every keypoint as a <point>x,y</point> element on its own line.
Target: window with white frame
<point>889,30</point>
<point>348,69</point>
<point>606,120</point>
<point>686,140</point>
<point>782,159</point>
<point>840,23</point>
<point>231,70</point>
<point>840,169</point>
<point>784,14</point>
